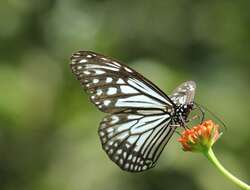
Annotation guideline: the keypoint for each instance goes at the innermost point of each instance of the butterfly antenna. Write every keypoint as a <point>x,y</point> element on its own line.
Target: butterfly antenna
<point>213,114</point>
<point>201,111</point>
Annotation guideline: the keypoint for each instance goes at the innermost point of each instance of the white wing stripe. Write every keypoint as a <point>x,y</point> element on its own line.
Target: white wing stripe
<point>153,141</point>
<point>164,142</point>
<point>99,72</point>
<point>139,85</point>
<point>111,91</point>
<point>158,142</point>
<point>92,66</point>
<point>127,89</point>
<point>143,125</point>
<point>150,141</point>
<point>125,126</point>
<point>139,101</point>
<point>132,139</point>
<point>141,140</point>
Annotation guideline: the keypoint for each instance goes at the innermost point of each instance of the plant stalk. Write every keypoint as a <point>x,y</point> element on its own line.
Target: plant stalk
<point>212,158</point>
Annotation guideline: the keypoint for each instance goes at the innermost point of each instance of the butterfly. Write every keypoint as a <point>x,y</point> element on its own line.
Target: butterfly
<point>141,118</point>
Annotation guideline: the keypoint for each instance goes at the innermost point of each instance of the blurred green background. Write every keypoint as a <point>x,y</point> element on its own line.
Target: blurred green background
<point>48,128</point>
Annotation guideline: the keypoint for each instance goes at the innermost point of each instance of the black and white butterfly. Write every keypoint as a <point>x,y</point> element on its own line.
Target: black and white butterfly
<point>141,117</point>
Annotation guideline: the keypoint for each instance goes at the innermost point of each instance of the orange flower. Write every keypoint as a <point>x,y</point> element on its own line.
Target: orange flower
<point>200,137</point>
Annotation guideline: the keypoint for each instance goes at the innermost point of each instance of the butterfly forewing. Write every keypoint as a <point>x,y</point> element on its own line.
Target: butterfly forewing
<point>114,87</point>
<point>138,126</point>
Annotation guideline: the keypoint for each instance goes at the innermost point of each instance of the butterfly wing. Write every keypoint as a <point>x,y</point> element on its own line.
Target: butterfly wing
<point>134,140</point>
<point>114,87</point>
<point>137,129</point>
<point>184,93</point>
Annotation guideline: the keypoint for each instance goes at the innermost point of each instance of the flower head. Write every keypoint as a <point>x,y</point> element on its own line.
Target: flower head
<point>200,137</point>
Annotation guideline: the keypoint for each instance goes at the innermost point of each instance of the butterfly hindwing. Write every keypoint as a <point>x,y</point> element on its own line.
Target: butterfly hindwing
<point>134,140</point>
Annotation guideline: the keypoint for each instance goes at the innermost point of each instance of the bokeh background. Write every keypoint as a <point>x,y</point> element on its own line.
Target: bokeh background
<point>48,128</point>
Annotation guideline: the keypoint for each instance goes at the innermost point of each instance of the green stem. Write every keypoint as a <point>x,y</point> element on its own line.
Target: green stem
<point>211,157</point>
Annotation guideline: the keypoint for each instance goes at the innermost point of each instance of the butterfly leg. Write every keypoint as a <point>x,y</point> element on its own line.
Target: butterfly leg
<point>176,126</point>
<point>184,123</point>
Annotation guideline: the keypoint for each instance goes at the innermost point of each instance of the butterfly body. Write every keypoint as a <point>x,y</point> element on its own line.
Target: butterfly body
<point>141,118</point>
<point>181,114</point>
